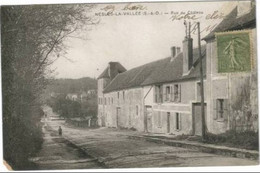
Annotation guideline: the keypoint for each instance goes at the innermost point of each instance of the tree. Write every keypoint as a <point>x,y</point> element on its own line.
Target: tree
<point>31,37</point>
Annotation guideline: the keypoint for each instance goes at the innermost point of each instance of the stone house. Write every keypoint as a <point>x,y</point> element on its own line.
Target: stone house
<point>104,79</point>
<point>232,95</point>
<point>158,97</point>
<point>172,94</point>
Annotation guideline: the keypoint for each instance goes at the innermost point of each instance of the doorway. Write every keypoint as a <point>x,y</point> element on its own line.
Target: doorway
<point>118,113</point>
<point>168,122</point>
<point>197,119</point>
<point>148,119</point>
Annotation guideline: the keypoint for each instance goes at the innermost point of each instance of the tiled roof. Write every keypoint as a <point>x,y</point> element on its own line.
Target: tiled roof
<point>173,70</point>
<point>160,71</point>
<point>134,77</point>
<point>105,73</point>
<point>232,22</point>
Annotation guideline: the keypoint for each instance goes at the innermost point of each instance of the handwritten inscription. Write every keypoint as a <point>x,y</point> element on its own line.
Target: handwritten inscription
<point>109,8</point>
<point>215,15</point>
<point>196,15</point>
<point>128,7</point>
<point>139,9</point>
<point>136,9</point>
<point>131,7</point>
<point>184,17</point>
<point>208,28</point>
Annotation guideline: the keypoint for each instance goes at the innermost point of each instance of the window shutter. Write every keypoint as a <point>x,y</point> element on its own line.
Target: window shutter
<point>171,95</point>
<point>225,106</point>
<point>157,118</point>
<point>179,93</point>
<point>179,121</point>
<point>174,92</point>
<point>161,93</point>
<point>164,93</point>
<point>215,115</point>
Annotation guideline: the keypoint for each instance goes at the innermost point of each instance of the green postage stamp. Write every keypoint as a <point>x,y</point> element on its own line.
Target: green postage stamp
<point>234,51</point>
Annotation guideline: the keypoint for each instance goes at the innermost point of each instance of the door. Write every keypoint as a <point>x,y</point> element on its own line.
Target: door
<point>118,113</point>
<point>148,119</point>
<point>197,119</point>
<point>168,122</point>
<point>103,124</point>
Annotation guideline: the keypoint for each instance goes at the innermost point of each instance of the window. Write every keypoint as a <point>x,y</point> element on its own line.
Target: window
<point>168,122</point>
<point>178,121</point>
<point>177,93</point>
<point>105,101</point>
<point>108,100</point>
<point>159,119</point>
<point>221,110</point>
<point>136,109</point>
<point>124,95</point>
<point>167,93</point>
<point>111,100</point>
<point>158,93</point>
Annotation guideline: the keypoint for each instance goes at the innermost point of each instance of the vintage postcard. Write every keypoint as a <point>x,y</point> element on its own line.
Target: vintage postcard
<point>129,85</point>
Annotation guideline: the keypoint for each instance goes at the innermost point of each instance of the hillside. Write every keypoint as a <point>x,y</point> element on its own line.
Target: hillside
<point>71,85</point>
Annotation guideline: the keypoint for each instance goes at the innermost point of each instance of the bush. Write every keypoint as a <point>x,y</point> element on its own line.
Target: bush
<point>245,140</point>
<point>22,140</point>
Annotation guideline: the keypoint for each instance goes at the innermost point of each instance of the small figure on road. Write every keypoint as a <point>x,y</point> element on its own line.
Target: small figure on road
<point>60,130</point>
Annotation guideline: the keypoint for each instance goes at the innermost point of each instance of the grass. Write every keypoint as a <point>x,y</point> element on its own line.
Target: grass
<point>244,140</point>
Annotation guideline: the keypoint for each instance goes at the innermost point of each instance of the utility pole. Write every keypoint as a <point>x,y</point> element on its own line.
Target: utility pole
<point>201,88</point>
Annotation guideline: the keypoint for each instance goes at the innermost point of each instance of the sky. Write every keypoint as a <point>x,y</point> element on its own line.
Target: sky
<point>134,40</point>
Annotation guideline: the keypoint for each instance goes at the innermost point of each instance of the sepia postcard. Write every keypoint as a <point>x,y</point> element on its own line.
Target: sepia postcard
<point>129,85</point>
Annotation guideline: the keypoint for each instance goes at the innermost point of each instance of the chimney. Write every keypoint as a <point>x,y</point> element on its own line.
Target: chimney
<point>175,51</point>
<point>187,52</point>
<point>178,49</point>
<point>112,70</point>
<point>243,8</point>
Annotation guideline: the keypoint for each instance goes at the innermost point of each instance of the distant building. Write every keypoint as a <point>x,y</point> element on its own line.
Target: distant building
<point>72,96</point>
<point>83,96</point>
<point>54,95</point>
<point>92,92</point>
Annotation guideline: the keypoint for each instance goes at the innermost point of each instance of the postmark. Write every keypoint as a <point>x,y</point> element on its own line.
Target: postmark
<point>234,51</point>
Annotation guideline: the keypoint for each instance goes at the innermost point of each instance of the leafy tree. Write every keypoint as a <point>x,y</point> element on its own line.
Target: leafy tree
<point>31,37</point>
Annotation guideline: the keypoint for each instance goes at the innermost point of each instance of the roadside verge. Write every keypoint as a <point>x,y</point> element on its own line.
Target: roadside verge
<point>207,148</point>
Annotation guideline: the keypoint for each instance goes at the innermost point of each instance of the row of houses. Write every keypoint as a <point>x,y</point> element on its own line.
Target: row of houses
<point>82,96</point>
<point>164,96</point>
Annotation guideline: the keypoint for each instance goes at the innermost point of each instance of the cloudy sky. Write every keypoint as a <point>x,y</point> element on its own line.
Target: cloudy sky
<point>134,40</point>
